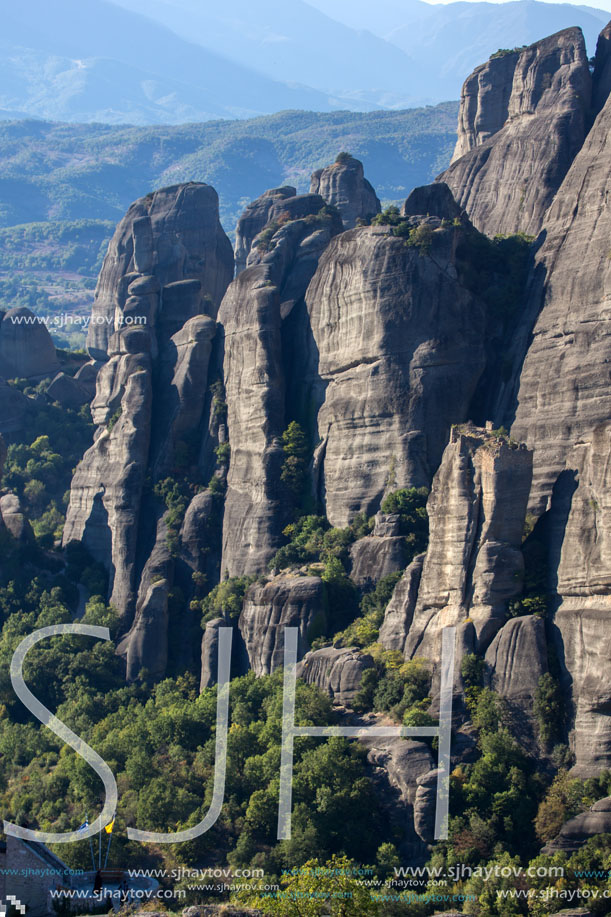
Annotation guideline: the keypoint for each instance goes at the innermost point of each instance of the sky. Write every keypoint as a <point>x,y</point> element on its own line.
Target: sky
<point>597,4</point>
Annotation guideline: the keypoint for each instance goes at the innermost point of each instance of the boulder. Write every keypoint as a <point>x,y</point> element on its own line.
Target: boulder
<point>27,350</point>
<point>285,601</point>
<point>14,519</point>
<point>337,671</point>
<point>516,660</point>
<point>68,391</point>
<point>576,831</point>
<point>210,653</point>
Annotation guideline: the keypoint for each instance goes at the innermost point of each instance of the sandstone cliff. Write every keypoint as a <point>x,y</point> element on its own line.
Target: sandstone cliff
<point>569,301</point>
<point>255,315</point>
<point>171,235</point>
<point>167,267</point>
<point>399,349</point>
<point>474,564</point>
<point>523,119</point>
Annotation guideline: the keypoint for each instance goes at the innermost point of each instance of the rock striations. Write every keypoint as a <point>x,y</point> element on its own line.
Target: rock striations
<point>474,564</point>
<point>399,348</point>
<point>535,101</point>
<point>165,271</point>
<point>343,185</point>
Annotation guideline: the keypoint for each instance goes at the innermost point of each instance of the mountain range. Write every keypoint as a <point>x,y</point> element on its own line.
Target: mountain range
<point>172,62</point>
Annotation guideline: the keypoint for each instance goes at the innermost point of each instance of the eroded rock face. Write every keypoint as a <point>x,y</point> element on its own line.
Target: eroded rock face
<point>399,612</point>
<point>286,601</point>
<point>210,653</point>
<point>343,184</point>
<point>254,219</point>
<point>255,313</point>
<point>474,564</point>
<point>166,237</point>
<point>562,405</point>
<point>583,585</point>
<point>150,399</point>
<point>399,348</point>
<point>516,660</point>
<point>576,831</point>
<point>379,554</point>
<point>523,119</point>
<point>336,671</point>
<point>26,348</point>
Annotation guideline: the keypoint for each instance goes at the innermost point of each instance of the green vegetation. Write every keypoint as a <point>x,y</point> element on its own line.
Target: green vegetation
<point>294,473</point>
<point>503,52</point>
<point>495,269</point>
<point>40,471</point>
<point>410,504</point>
<point>224,600</point>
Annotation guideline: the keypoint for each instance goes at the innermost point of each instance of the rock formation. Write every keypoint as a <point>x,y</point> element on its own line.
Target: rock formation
<point>562,405</point>
<point>576,831</point>
<point>343,184</point>
<point>26,348</point>
<point>286,601</point>
<point>168,265</point>
<point>398,341</point>
<point>516,660</point>
<point>378,554</point>
<point>254,219</point>
<point>166,237</point>
<point>535,101</point>
<point>255,314</point>
<point>474,564</point>
<point>338,672</point>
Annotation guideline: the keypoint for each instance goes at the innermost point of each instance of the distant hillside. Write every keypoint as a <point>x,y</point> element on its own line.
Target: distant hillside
<point>441,43</point>
<point>71,172</point>
<point>75,181</point>
<point>95,61</point>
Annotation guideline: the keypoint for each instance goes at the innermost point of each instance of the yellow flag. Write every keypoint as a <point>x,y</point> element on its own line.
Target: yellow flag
<point>109,827</point>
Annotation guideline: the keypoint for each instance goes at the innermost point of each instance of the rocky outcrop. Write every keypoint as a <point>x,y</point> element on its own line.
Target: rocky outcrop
<point>255,315</point>
<point>523,119</point>
<point>474,564</point>
<point>399,612</point>
<point>379,554</point>
<point>210,652</point>
<point>285,601</point>
<point>516,659</point>
<point>343,184</point>
<point>433,200</point>
<point>576,831</point>
<point>399,349</point>
<point>569,309</point>
<point>151,396</point>
<point>254,219</point>
<point>68,392</point>
<point>14,519</point>
<point>425,804</point>
<point>171,235</point>
<point>26,348</point>
<point>337,671</point>
<point>601,82</point>
<point>580,534</point>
